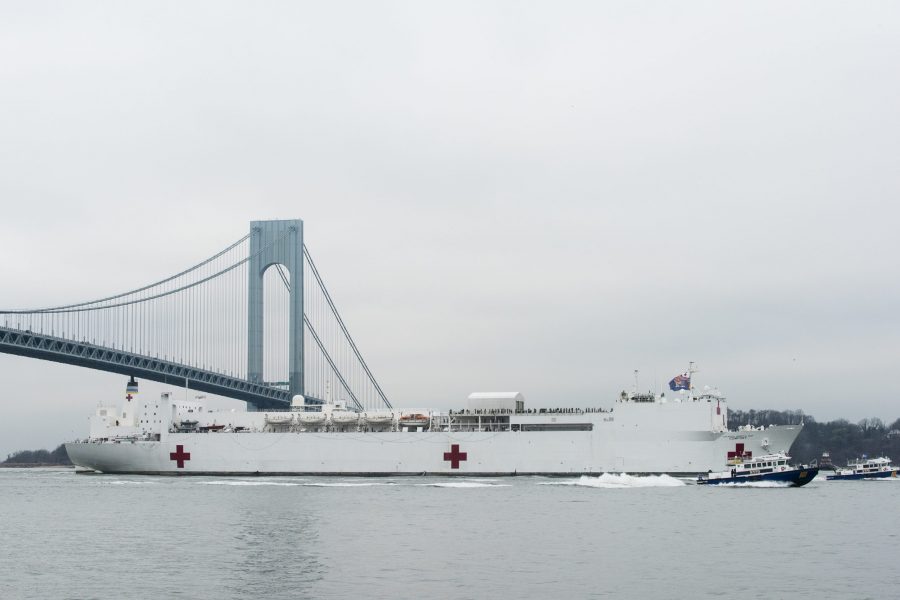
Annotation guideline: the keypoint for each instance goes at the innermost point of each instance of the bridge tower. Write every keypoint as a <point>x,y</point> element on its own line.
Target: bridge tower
<point>273,243</point>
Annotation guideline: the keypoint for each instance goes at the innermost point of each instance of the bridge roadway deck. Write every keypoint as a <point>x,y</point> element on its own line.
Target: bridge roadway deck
<point>82,354</point>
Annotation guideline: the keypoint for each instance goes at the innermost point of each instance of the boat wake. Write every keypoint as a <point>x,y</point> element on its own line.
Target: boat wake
<point>615,481</point>
<point>463,484</point>
<point>250,483</point>
<point>349,484</point>
<point>239,482</point>
<point>755,484</point>
<point>128,482</point>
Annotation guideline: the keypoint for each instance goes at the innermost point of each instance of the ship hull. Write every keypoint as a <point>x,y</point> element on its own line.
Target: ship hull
<point>859,476</point>
<point>793,478</point>
<point>603,450</point>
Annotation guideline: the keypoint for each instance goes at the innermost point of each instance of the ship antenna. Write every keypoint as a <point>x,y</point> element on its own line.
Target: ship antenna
<point>691,371</point>
<point>635,381</point>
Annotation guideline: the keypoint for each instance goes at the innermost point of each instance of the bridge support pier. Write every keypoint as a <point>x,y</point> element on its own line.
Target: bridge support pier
<point>272,243</point>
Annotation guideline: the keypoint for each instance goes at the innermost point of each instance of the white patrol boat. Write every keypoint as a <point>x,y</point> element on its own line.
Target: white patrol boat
<point>494,434</point>
<point>865,468</point>
<point>745,468</point>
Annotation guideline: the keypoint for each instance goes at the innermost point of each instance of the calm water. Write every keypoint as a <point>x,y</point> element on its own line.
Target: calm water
<point>80,536</point>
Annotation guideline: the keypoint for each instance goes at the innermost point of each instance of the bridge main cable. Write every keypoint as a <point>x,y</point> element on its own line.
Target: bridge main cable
<point>135,291</point>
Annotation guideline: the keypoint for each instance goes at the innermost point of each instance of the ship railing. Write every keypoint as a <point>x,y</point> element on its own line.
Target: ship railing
<point>526,411</point>
<point>456,427</point>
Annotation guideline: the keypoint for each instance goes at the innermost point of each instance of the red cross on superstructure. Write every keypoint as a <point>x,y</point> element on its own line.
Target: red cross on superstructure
<point>739,452</point>
<point>454,456</point>
<point>180,455</point>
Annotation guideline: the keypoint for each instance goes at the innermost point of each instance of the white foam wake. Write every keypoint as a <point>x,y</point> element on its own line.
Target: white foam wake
<point>620,481</point>
<point>348,484</point>
<point>755,484</point>
<point>463,484</point>
<point>241,482</point>
<point>249,483</point>
<point>128,482</point>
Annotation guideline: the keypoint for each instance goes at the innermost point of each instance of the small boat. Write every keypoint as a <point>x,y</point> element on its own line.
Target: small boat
<point>413,420</point>
<point>211,428</point>
<point>311,418</point>
<point>186,426</point>
<point>865,468</point>
<point>279,418</point>
<point>378,417</point>
<point>344,417</point>
<point>771,467</point>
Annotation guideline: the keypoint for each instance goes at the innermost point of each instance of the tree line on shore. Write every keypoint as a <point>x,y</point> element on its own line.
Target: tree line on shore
<point>842,439</point>
<point>39,457</point>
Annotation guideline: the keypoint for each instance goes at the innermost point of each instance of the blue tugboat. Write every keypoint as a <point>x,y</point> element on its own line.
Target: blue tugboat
<point>745,468</point>
<point>871,468</point>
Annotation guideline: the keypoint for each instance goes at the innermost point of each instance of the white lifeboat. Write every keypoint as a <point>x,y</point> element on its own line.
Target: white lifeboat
<point>281,418</point>
<point>414,420</point>
<point>311,418</point>
<point>378,417</point>
<point>344,417</point>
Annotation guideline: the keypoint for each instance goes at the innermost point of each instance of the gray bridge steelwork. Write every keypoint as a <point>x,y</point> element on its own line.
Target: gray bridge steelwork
<point>80,354</point>
<point>254,322</point>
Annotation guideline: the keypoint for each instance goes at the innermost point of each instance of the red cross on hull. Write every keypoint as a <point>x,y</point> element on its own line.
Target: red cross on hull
<point>179,455</point>
<point>455,456</point>
<point>739,452</point>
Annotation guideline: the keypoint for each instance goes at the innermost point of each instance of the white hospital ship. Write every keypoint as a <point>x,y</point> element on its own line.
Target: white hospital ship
<point>495,434</point>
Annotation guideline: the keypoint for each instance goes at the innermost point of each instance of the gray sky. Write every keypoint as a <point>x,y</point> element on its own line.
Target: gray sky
<point>538,197</point>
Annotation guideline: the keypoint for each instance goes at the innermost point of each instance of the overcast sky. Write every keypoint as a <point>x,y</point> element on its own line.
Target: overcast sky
<point>539,197</point>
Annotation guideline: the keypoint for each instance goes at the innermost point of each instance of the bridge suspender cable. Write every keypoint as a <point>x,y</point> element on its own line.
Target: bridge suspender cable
<point>340,321</point>
<point>135,291</point>
<point>312,331</point>
<point>83,307</point>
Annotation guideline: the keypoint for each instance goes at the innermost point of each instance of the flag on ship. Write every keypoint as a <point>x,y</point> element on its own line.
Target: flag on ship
<point>680,382</point>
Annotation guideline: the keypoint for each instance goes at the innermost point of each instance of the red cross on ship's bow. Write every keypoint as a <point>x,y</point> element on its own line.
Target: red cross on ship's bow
<point>739,453</point>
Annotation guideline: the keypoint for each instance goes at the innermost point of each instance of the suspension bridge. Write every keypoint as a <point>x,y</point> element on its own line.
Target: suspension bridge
<point>253,322</point>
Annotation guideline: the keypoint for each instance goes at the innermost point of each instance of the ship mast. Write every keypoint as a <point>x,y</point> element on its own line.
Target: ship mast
<point>691,371</point>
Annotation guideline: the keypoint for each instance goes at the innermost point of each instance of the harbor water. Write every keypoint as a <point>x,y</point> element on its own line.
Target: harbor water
<point>64,535</point>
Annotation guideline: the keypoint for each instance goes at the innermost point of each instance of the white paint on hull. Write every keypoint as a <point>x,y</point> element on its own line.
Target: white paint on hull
<point>386,453</point>
<point>640,434</point>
